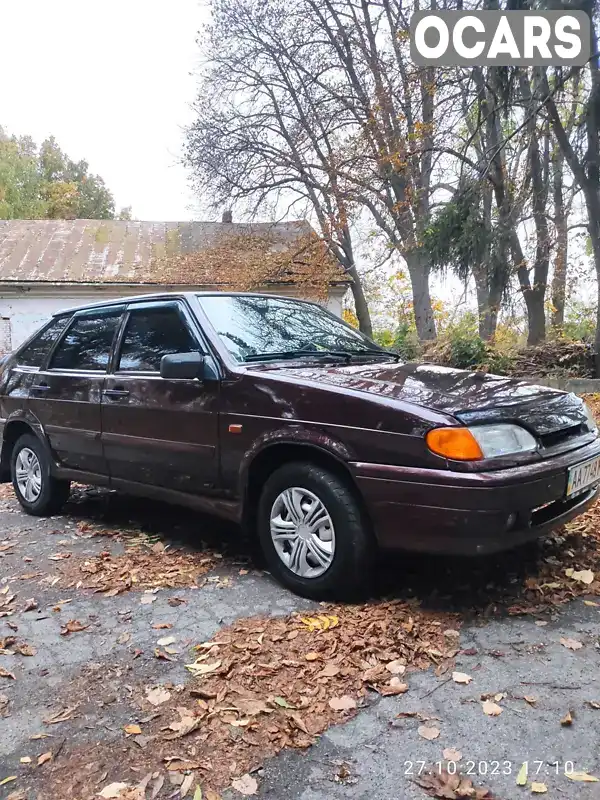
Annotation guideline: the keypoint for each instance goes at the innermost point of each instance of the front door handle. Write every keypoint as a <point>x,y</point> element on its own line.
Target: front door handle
<point>115,392</point>
<point>41,387</point>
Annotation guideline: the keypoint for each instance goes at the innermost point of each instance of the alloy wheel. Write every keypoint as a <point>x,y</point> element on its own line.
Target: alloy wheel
<point>302,532</point>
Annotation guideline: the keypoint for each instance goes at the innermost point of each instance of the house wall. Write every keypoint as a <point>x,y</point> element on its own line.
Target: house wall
<point>24,309</point>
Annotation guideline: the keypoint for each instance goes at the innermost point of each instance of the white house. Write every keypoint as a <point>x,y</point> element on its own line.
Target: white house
<point>47,265</point>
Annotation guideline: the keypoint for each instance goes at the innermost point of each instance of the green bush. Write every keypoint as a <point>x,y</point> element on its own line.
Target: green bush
<point>466,347</point>
<point>403,340</point>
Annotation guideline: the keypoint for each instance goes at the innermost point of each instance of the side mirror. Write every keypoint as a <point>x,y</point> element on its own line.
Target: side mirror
<point>182,365</point>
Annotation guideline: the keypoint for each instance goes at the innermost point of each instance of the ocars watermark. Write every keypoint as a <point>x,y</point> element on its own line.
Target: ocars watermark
<point>512,38</point>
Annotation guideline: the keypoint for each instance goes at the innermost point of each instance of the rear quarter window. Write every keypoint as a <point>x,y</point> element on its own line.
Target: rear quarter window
<point>34,353</point>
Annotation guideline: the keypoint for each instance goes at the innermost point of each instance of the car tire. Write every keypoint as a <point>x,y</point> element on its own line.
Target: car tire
<point>38,492</point>
<point>336,507</point>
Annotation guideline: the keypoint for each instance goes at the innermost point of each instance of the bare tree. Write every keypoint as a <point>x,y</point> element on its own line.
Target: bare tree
<point>265,134</point>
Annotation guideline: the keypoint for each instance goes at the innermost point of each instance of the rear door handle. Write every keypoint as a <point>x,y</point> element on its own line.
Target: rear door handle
<point>115,392</point>
<point>41,387</point>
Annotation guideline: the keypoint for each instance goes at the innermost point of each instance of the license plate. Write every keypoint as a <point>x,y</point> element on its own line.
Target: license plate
<point>582,476</point>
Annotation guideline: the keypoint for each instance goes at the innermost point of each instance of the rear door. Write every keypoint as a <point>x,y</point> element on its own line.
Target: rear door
<point>157,431</point>
<point>65,395</point>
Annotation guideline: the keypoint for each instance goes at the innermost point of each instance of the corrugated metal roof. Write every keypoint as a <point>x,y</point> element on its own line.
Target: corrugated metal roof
<point>183,253</point>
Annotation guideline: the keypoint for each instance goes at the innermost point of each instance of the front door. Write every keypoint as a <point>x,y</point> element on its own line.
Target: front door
<point>65,396</point>
<point>158,431</point>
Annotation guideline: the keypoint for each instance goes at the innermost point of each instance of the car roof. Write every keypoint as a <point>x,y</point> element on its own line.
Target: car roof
<point>141,298</point>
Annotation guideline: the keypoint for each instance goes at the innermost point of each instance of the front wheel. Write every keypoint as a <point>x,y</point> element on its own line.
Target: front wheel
<point>38,492</point>
<point>313,533</point>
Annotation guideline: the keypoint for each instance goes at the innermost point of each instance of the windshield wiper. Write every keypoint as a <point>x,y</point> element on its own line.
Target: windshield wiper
<point>342,354</point>
<point>370,352</point>
<point>346,355</point>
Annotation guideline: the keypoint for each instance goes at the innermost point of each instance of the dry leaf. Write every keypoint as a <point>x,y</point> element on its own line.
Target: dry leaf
<point>10,778</point>
<point>396,667</point>
<point>123,638</point>
<point>132,730</point>
<point>162,655</point>
<point>572,644</point>
<point>61,716</point>
<point>25,760</point>
<point>395,686</point>
<point>345,703</point>
<point>43,758</point>
<point>24,649</point>
<point>428,732</point>
<point>450,754</point>
<point>491,709</point>
<point>583,576</point>
<point>246,785</point>
<point>522,776</point>
<point>113,790</point>
<point>199,668</point>
<point>311,656</point>
<point>531,699</point>
<point>539,788</point>
<point>187,784</point>
<point>329,671</point>
<point>72,626</point>
<point>591,703</point>
<point>158,696</point>
<point>4,673</point>
<point>320,623</point>
<point>186,725</point>
<point>582,777</point>
<point>166,641</point>
<point>162,626</point>
<point>461,677</point>
<point>591,603</point>
<point>567,719</point>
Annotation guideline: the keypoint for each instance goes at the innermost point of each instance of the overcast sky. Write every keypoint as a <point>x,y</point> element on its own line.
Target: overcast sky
<point>111,80</point>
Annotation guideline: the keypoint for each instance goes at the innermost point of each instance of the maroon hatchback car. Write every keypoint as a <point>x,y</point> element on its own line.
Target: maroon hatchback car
<point>274,413</point>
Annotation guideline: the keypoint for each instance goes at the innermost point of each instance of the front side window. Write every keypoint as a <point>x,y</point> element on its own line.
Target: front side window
<point>150,334</point>
<point>255,327</point>
<point>87,343</point>
<point>35,352</point>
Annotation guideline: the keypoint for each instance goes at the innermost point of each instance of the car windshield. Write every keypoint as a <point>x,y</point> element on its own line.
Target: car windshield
<point>257,328</point>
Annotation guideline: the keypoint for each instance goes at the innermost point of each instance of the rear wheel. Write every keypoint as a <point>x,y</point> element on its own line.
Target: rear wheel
<point>37,491</point>
<point>313,533</point>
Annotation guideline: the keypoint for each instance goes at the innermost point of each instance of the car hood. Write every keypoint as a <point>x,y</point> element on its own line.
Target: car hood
<point>468,396</point>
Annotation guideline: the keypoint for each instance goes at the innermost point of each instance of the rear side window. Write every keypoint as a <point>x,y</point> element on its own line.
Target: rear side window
<point>87,343</point>
<point>151,334</point>
<point>34,354</point>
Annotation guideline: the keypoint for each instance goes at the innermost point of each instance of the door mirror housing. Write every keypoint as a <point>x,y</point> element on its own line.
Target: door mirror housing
<point>182,365</point>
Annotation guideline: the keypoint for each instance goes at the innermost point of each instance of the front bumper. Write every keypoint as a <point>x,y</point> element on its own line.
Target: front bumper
<point>470,513</point>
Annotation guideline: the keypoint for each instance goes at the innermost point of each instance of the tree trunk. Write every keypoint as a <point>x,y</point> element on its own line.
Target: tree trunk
<point>360,302</point>
<point>592,201</point>
<point>423,311</point>
<point>488,303</point>
<point>536,317</point>
<point>559,278</point>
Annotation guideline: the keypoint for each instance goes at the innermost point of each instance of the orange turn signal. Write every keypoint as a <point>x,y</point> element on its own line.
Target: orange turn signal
<point>456,443</point>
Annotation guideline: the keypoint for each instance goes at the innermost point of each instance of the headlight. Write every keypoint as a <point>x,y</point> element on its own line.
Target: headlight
<point>591,420</point>
<point>480,441</point>
<point>502,440</point>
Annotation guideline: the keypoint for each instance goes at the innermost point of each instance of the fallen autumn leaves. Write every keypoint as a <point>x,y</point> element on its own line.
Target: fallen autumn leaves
<point>253,691</point>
